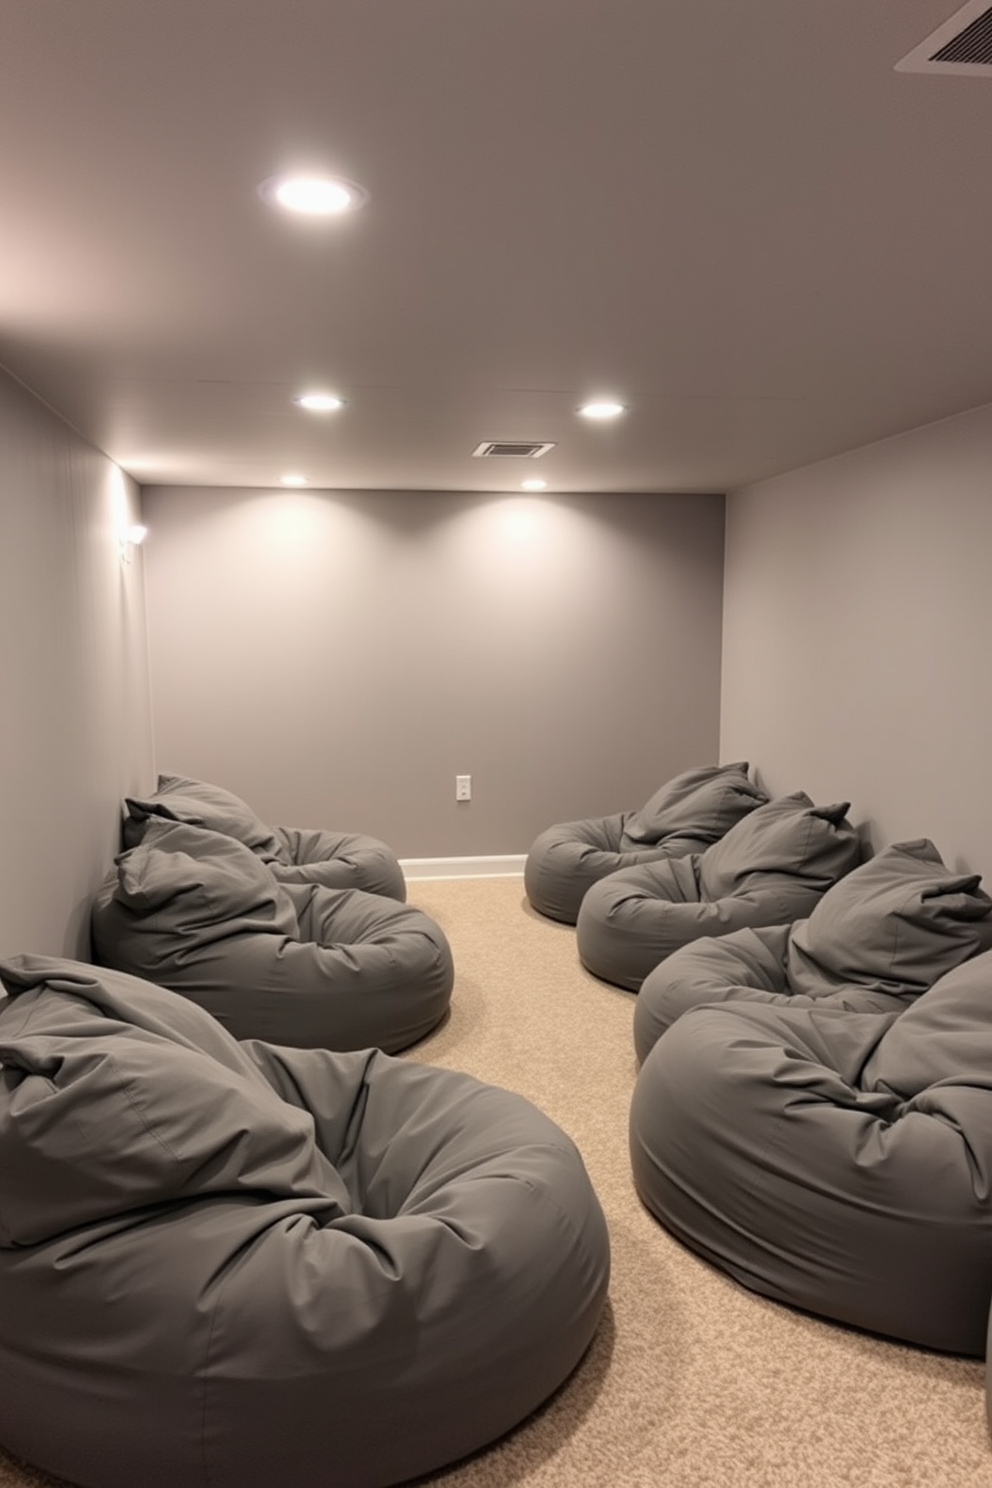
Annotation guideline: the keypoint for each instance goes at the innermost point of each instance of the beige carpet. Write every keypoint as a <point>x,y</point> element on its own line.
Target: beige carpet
<point>691,1382</point>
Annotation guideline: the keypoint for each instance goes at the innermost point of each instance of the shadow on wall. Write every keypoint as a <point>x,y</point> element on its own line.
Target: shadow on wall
<point>77,942</point>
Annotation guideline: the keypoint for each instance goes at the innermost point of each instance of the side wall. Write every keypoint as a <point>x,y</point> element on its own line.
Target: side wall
<point>337,658</point>
<point>76,718</point>
<point>857,627</point>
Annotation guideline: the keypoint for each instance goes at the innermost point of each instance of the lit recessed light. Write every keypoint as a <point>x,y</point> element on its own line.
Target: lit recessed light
<point>320,402</point>
<point>602,409</point>
<point>292,480</point>
<point>534,485</point>
<point>313,196</point>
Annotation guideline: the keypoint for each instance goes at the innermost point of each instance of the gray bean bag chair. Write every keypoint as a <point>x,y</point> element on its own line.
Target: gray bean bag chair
<point>225,1265</point>
<point>874,943</point>
<point>336,860</point>
<point>837,1161</point>
<point>686,815</point>
<point>291,963</point>
<point>769,869</point>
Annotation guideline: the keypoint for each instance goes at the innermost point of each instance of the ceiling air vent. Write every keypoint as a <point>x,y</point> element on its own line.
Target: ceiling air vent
<point>519,449</point>
<point>962,45</point>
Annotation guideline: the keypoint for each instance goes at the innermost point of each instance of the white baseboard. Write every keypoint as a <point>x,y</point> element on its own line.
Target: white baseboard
<point>507,866</point>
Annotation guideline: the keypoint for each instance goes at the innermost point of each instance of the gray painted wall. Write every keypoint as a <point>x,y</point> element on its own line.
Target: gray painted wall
<point>340,658</point>
<point>76,721</point>
<point>857,632</point>
<point>336,659</point>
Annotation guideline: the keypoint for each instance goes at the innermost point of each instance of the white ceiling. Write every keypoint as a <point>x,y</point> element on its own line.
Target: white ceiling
<point>735,215</point>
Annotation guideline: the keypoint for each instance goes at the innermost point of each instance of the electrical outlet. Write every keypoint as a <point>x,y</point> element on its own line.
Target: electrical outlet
<point>463,787</point>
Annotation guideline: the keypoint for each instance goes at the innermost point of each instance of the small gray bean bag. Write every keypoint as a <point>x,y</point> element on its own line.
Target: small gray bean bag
<point>875,942</point>
<point>686,815</point>
<point>225,1265</point>
<point>837,1161</point>
<point>769,869</point>
<point>292,963</point>
<point>336,860</point>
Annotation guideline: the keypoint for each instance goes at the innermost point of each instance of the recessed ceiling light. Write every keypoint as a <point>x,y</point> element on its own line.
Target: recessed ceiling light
<point>534,485</point>
<point>601,408</point>
<point>314,196</point>
<point>292,480</point>
<point>320,402</point>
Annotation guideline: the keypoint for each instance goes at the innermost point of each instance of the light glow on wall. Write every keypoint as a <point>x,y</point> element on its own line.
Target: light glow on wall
<point>519,524</point>
<point>128,533</point>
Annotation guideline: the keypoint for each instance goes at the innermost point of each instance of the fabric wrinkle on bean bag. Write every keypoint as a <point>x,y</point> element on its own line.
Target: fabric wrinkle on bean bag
<point>299,964</point>
<point>878,939</point>
<point>837,1161</point>
<point>769,869</point>
<point>226,1263</point>
<point>335,860</point>
<point>686,815</point>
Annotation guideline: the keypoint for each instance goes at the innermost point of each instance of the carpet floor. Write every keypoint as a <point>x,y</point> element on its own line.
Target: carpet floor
<point>691,1381</point>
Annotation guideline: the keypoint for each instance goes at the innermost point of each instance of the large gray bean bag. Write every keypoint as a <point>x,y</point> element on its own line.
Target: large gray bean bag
<point>296,964</point>
<point>336,860</point>
<point>224,1265</point>
<point>769,869</point>
<point>837,1161</point>
<point>686,815</point>
<point>874,943</point>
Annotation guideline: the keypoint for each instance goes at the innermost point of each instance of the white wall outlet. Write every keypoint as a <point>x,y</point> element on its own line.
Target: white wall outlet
<point>463,787</point>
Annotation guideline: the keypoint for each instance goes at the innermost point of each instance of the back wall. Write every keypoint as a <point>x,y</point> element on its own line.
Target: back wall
<point>337,658</point>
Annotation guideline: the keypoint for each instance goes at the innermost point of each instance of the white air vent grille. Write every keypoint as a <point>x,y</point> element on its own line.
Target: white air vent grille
<point>519,449</point>
<point>962,45</point>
